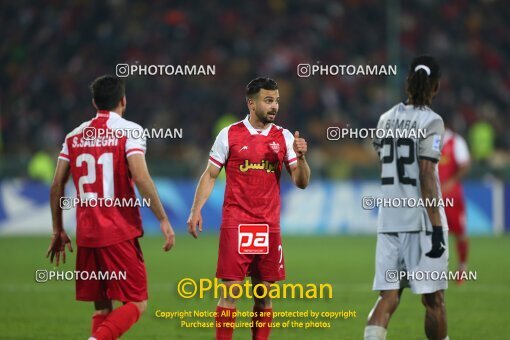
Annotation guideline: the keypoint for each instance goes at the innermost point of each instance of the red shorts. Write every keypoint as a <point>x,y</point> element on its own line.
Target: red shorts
<point>122,257</point>
<point>456,217</point>
<point>235,266</point>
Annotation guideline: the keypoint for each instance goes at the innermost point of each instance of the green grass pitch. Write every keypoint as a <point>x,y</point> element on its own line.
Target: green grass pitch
<point>476,310</point>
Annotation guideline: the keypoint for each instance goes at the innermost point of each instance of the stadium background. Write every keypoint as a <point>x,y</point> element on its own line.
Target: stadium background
<point>50,52</point>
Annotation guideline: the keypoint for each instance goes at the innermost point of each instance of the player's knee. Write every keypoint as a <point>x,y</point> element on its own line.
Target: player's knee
<point>103,307</point>
<point>226,298</point>
<point>232,288</point>
<point>261,301</point>
<point>433,300</point>
<point>227,302</point>
<point>141,305</point>
<point>103,312</point>
<point>391,298</point>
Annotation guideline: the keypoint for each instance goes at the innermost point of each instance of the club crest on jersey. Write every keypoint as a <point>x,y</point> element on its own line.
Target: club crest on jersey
<point>275,147</point>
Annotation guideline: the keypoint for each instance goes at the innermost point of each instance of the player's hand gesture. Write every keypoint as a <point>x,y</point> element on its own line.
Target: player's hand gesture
<point>57,248</point>
<point>169,234</point>
<point>195,218</point>
<point>299,146</point>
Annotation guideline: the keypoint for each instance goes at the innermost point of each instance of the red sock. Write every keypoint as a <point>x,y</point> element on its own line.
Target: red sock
<point>97,320</point>
<point>462,249</point>
<point>225,315</point>
<point>261,333</point>
<point>117,322</point>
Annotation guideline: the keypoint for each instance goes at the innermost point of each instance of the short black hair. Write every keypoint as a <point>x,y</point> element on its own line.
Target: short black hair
<point>107,91</point>
<point>424,74</point>
<point>256,84</point>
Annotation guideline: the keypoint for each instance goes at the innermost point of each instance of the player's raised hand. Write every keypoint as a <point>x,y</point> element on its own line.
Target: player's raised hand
<point>169,234</point>
<point>300,146</point>
<point>194,220</point>
<point>57,247</point>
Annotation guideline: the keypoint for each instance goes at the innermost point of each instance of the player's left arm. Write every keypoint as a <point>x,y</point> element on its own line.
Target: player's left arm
<point>59,239</point>
<point>429,152</point>
<point>145,184</point>
<point>300,171</point>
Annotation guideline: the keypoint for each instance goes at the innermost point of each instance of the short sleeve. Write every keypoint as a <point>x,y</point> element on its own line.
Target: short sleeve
<point>460,150</point>
<point>290,156</point>
<point>136,142</point>
<point>430,146</point>
<point>219,151</point>
<point>64,153</point>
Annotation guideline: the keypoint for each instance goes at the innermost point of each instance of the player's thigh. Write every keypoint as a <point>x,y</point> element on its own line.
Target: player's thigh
<point>388,262</point>
<point>86,289</point>
<point>257,280</point>
<point>229,292</point>
<point>261,289</point>
<point>411,248</point>
<point>426,275</point>
<point>125,262</point>
<point>270,267</point>
<point>232,265</point>
<point>103,307</point>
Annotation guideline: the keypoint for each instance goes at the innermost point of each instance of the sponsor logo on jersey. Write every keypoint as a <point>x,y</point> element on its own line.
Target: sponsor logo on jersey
<point>253,239</point>
<point>436,143</point>
<point>263,165</point>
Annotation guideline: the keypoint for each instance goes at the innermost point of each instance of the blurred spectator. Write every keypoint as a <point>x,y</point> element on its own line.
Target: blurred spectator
<point>481,140</point>
<point>51,51</point>
<point>41,167</point>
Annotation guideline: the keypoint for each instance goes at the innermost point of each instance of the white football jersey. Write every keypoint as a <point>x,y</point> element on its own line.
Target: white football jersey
<point>410,134</point>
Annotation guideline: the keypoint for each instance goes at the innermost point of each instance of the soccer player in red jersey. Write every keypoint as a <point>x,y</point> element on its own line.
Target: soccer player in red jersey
<point>453,166</point>
<point>104,165</point>
<point>253,152</point>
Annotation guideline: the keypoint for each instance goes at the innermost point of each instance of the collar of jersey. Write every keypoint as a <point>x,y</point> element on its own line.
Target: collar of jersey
<point>105,113</point>
<point>254,131</point>
<point>411,106</point>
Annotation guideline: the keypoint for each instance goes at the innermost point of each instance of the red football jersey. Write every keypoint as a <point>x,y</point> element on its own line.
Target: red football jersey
<point>455,152</point>
<point>98,162</point>
<point>253,163</point>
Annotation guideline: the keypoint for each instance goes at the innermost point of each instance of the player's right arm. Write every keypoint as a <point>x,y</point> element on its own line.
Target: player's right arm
<point>59,239</point>
<point>217,159</point>
<point>204,189</point>
<point>146,187</point>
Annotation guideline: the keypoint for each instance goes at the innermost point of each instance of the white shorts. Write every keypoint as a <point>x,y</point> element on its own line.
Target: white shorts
<point>400,262</point>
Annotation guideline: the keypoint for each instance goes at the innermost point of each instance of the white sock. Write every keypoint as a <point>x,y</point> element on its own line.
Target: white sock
<point>375,333</point>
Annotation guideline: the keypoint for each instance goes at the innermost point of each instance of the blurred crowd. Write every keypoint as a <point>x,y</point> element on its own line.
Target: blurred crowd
<point>50,51</point>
